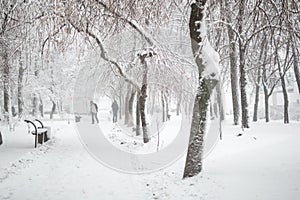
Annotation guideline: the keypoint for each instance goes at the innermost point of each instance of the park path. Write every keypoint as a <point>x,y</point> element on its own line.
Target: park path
<point>67,171</point>
<point>19,142</point>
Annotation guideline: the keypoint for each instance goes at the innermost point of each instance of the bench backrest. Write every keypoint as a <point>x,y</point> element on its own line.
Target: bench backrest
<point>36,125</point>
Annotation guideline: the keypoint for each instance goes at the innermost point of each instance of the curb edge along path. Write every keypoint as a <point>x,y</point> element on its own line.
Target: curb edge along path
<point>67,171</point>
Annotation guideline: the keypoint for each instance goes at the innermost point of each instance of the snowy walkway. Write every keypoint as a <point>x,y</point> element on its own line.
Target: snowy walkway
<point>20,142</point>
<point>263,164</point>
<point>67,171</point>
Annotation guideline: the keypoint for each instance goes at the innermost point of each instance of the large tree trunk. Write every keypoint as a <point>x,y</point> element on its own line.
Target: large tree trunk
<point>220,101</point>
<point>167,107</point>
<point>233,69</point>
<point>130,109</point>
<point>286,102</point>
<point>285,97</point>
<point>35,100</point>
<point>52,109</point>
<point>267,114</point>
<point>126,104</point>
<point>178,106</point>
<point>41,107</point>
<point>255,112</point>
<point>120,107</point>
<point>138,116</point>
<point>257,88</point>
<point>296,65</point>
<point>193,164</point>
<point>266,94</point>
<point>258,79</point>
<point>243,80</point>
<point>163,106</point>
<point>142,101</point>
<point>6,85</point>
<point>20,89</point>
<point>35,105</point>
<point>243,83</point>
<point>6,81</point>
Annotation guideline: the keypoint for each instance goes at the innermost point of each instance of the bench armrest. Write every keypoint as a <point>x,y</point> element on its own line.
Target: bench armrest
<point>30,122</point>
<point>40,122</point>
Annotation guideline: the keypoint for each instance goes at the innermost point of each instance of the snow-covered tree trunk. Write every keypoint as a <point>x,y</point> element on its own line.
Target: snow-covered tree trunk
<point>163,106</point>
<point>130,109</point>
<point>41,107</point>
<point>126,104</point>
<point>266,94</point>
<point>35,100</point>
<point>233,69</point>
<point>6,79</point>
<point>137,115</point>
<point>178,105</point>
<point>53,109</point>
<point>264,83</point>
<point>6,85</point>
<point>143,97</point>
<point>20,88</point>
<point>296,65</point>
<point>267,115</point>
<point>207,81</point>
<point>167,107</point>
<point>258,79</point>
<point>242,67</point>
<point>120,105</point>
<point>285,97</point>
<point>220,101</point>
<point>286,102</point>
<point>257,87</point>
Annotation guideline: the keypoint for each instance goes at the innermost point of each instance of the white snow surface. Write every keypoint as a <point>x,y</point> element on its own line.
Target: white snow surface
<point>210,57</point>
<point>211,60</point>
<point>263,163</point>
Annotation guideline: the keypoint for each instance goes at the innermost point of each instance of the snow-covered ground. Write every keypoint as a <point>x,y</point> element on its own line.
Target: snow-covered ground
<point>264,164</point>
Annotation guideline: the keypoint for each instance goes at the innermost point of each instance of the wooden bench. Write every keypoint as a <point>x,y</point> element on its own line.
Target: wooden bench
<point>40,132</point>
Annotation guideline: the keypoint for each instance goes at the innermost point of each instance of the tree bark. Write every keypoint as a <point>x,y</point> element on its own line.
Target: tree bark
<point>20,89</point>
<point>130,109</point>
<point>286,102</point>
<point>233,69</point>
<point>138,116</point>
<point>126,104</point>
<point>255,112</point>
<point>243,80</point>
<point>41,107</point>
<point>35,105</point>
<point>267,115</point>
<point>142,100</point>
<point>193,164</point>
<point>266,94</point>
<point>6,85</point>
<point>120,106</point>
<point>6,80</point>
<point>296,66</point>
<point>220,101</point>
<point>163,106</point>
<point>167,107</point>
<point>52,109</point>
<point>259,77</point>
<point>178,106</point>
<point>285,97</point>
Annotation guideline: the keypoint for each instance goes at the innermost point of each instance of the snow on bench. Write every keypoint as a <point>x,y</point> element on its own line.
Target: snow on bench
<point>39,131</point>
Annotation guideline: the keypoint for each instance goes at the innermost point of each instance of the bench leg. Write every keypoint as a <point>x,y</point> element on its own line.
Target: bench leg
<point>35,142</point>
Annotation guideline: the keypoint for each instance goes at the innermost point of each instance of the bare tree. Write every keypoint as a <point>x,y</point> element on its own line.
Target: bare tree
<point>206,84</point>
